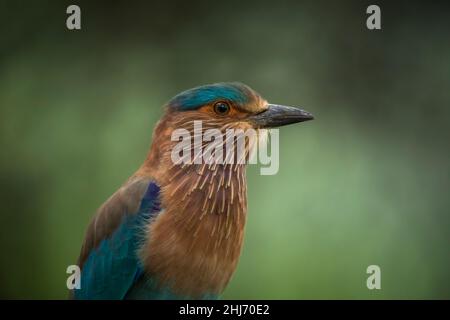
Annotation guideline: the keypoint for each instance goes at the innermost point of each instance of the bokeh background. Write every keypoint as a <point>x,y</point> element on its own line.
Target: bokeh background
<point>366,183</point>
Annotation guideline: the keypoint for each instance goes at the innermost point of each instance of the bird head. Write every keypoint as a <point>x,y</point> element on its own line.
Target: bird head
<point>235,104</point>
<point>219,106</point>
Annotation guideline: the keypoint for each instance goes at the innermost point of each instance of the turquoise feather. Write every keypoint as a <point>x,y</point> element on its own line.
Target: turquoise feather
<point>112,268</point>
<point>197,97</point>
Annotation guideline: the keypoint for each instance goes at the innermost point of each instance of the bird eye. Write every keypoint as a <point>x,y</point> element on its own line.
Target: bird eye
<point>221,108</point>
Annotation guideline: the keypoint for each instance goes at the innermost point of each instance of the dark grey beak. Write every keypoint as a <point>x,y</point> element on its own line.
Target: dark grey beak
<point>277,116</point>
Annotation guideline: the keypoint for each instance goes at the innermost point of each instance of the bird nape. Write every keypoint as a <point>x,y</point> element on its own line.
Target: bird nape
<point>174,230</point>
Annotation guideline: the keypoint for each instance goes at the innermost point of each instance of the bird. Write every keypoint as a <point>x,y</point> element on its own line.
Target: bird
<point>175,230</point>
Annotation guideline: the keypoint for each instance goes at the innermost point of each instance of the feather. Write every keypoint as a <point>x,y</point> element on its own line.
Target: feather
<point>109,263</point>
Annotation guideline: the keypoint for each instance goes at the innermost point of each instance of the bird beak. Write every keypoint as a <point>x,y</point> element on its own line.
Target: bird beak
<point>277,116</point>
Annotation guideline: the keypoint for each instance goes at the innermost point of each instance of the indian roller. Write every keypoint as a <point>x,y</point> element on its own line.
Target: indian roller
<point>175,231</point>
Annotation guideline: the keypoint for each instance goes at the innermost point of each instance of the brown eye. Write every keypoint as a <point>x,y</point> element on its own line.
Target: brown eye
<point>221,108</point>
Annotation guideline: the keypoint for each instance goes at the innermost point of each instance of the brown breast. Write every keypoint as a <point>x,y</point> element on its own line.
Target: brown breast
<point>195,243</point>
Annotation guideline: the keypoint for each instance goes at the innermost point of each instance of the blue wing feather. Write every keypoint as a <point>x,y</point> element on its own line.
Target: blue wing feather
<point>112,266</point>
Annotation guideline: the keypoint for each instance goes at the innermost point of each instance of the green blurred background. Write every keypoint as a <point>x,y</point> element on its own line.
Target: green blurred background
<point>366,183</point>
